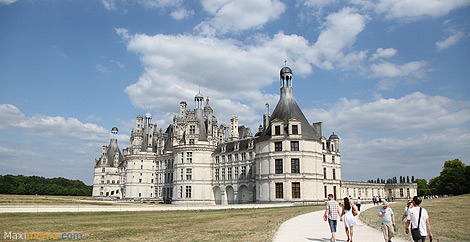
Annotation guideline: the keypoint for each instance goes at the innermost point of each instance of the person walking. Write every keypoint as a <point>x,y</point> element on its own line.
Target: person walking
<point>388,221</point>
<point>419,219</point>
<point>349,220</point>
<point>358,204</point>
<point>332,213</point>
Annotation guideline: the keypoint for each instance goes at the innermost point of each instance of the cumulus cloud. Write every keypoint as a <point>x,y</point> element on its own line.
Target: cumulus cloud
<point>238,15</point>
<point>449,41</point>
<point>412,112</point>
<point>383,53</point>
<point>182,13</point>
<point>7,1</point>
<point>411,10</point>
<point>51,127</point>
<point>391,70</point>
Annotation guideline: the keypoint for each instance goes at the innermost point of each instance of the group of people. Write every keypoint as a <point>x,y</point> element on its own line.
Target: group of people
<point>414,215</point>
<point>333,212</point>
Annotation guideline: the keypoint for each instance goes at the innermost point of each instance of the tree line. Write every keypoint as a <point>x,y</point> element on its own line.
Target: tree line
<point>453,179</point>
<point>35,185</point>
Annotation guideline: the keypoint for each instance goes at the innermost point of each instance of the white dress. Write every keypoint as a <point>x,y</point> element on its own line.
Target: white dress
<point>349,219</point>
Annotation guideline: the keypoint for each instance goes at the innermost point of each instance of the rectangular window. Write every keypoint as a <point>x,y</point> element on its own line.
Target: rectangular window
<point>189,157</point>
<point>324,173</point>
<point>189,173</point>
<point>323,146</point>
<point>279,166</point>
<point>217,159</point>
<point>223,173</point>
<point>333,159</point>
<point>294,145</point>
<point>236,172</point>
<point>243,156</point>
<point>279,190</point>
<point>277,130</point>
<point>217,174</point>
<point>181,191</point>
<point>188,191</point>
<point>223,158</point>
<point>140,181</point>
<point>236,157</point>
<point>191,141</point>
<point>229,158</point>
<point>334,174</point>
<point>229,173</point>
<point>277,146</point>
<point>295,166</point>
<point>325,191</point>
<point>243,172</point>
<point>182,174</point>
<point>324,158</point>
<point>295,129</point>
<point>192,129</point>
<point>295,189</point>
<point>401,192</point>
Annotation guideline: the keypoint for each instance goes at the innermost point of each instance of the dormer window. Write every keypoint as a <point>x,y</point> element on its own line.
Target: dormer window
<point>277,130</point>
<point>236,146</point>
<point>250,144</point>
<point>295,129</point>
<point>223,148</point>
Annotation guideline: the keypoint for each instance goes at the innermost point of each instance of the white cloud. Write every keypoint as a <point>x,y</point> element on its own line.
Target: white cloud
<point>109,4</point>
<point>51,127</point>
<point>383,53</point>
<point>102,69</point>
<point>391,70</point>
<point>339,32</point>
<point>412,112</point>
<point>411,10</point>
<point>7,1</point>
<point>182,13</point>
<point>449,41</point>
<point>238,15</point>
<point>119,64</point>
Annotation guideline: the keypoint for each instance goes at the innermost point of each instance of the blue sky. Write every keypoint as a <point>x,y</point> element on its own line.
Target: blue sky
<point>390,77</point>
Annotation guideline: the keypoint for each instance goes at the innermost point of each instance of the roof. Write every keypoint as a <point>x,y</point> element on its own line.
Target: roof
<point>286,109</point>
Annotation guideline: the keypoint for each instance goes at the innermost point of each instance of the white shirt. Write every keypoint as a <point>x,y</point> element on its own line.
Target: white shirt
<point>413,216</point>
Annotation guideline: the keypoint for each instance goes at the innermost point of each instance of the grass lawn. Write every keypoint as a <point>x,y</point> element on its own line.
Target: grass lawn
<point>221,225</point>
<point>45,200</point>
<point>448,217</point>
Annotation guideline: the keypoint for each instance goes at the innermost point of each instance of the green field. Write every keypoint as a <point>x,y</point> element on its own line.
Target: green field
<point>448,217</point>
<point>220,225</point>
<point>48,200</point>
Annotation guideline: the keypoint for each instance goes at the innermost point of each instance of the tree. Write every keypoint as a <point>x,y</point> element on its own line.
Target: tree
<point>412,179</point>
<point>452,178</point>
<point>423,187</point>
<point>407,179</point>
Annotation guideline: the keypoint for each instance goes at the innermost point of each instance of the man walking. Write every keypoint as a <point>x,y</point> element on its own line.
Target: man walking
<point>358,204</point>
<point>332,213</point>
<point>419,218</point>
<point>388,221</point>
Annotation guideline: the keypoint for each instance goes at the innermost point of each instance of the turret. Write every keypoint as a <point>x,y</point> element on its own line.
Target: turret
<point>234,128</point>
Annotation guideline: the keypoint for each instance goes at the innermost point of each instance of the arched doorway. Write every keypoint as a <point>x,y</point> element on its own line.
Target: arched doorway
<point>243,194</point>
<point>217,195</point>
<point>230,195</point>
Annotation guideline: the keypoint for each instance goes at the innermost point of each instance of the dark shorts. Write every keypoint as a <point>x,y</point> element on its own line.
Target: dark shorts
<point>333,224</point>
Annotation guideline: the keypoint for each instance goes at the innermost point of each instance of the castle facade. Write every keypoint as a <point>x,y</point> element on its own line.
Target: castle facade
<point>196,160</point>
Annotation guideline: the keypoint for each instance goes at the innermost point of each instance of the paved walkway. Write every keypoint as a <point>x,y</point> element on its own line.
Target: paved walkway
<point>312,228</point>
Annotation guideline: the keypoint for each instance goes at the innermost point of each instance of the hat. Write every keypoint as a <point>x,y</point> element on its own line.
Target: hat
<point>385,203</point>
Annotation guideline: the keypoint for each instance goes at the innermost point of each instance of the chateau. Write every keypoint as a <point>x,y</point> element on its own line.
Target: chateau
<point>196,160</point>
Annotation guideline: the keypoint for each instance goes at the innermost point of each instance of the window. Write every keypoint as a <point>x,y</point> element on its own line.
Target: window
<point>192,129</point>
<point>277,130</point>
<point>189,174</point>
<point>324,158</point>
<point>188,191</point>
<point>323,146</point>
<point>229,158</point>
<point>140,180</point>
<point>141,167</point>
<point>236,172</point>
<point>295,189</point>
<point>278,166</point>
<point>294,145</point>
<point>277,146</point>
<point>333,159</point>
<point>223,158</point>
<point>236,157</point>
<point>189,157</point>
<point>103,169</point>
<point>295,129</point>
<point>223,173</point>
<point>182,174</point>
<point>295,166</point>
<point>324,173</point>
<point>279,190</point>
<point>229,173</point>
<point>191,141</point>
<point>217,174</point>
<point>243,172</point>
<point>326,191</point>
<point>243,156</point>
<point>181,191</point>
<point>334,174</point>
<point>217,160</point>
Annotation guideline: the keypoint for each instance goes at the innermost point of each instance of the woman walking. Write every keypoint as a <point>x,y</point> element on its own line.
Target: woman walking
<point>349,219</point>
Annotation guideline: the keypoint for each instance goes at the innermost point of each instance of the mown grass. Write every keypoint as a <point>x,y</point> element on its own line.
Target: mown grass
<point>448,217</point>
<point>7,199</point>
<point>220,225</point>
